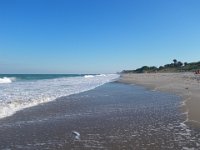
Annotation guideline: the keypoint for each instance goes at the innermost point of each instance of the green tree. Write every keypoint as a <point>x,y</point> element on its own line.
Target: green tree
<point>185,63</point>
<point>175,61</point>
<point>179,64</point>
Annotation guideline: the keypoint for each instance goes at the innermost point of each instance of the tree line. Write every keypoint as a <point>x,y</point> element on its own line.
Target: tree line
<point>175,66</point>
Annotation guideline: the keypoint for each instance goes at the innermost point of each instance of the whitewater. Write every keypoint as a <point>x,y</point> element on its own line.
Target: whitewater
<point>17,94</point>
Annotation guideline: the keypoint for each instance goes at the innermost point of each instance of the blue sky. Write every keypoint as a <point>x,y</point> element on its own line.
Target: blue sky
<point>96,36</point>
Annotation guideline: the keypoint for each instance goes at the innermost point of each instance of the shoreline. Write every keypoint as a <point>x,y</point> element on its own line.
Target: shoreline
<point>185,85</point>
<point>112,116</point>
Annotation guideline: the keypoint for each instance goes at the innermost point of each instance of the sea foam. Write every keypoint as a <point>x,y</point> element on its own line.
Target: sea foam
<point>19,95</point>
<point>89,76</point>
<point>6,80</point>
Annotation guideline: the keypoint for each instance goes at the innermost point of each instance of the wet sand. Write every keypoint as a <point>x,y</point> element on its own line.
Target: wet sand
<point>187,85</point>
<point>114,116</point>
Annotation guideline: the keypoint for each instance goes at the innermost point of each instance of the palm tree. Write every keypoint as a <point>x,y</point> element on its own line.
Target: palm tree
<point>175,61</point>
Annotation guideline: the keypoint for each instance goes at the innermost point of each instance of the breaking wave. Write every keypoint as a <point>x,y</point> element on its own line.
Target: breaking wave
<point>89,76</point>
<point>7,80</point>
<point>20,94</point>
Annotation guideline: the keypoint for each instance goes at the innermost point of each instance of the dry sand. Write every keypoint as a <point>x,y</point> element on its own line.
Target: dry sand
<point>187,85</point>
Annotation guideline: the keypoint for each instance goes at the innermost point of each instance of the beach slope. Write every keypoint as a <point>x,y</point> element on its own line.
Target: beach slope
<point>187,85</point>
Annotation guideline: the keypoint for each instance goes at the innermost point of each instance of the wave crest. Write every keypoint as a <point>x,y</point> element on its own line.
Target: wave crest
<point>89,76</point>
<point>6,80</point>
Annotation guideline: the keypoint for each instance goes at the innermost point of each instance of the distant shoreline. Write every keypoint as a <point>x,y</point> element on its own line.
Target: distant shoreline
<point>186,85</point>
<point>175,67</point>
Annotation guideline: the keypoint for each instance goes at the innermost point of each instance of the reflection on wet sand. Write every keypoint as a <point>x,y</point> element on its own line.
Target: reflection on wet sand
<point>113,116</point>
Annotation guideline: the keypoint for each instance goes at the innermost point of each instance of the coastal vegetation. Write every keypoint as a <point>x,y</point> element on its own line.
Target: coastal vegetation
<point>175,66</point>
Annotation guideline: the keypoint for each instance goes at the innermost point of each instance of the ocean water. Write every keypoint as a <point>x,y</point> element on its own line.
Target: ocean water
<point>19,91</point>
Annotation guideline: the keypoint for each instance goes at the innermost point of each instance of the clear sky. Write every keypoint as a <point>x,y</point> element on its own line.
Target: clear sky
<point>96,36</point>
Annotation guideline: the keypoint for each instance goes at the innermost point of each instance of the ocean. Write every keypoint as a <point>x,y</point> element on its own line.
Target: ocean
<point>19,91</point>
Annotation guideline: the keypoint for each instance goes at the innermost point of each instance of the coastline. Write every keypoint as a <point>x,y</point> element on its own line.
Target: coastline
<point>186,85</point>
<point>112,116</point>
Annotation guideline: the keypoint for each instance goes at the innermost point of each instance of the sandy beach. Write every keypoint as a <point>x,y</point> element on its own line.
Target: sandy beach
<point>186,85</point>
<point>114,116</point>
